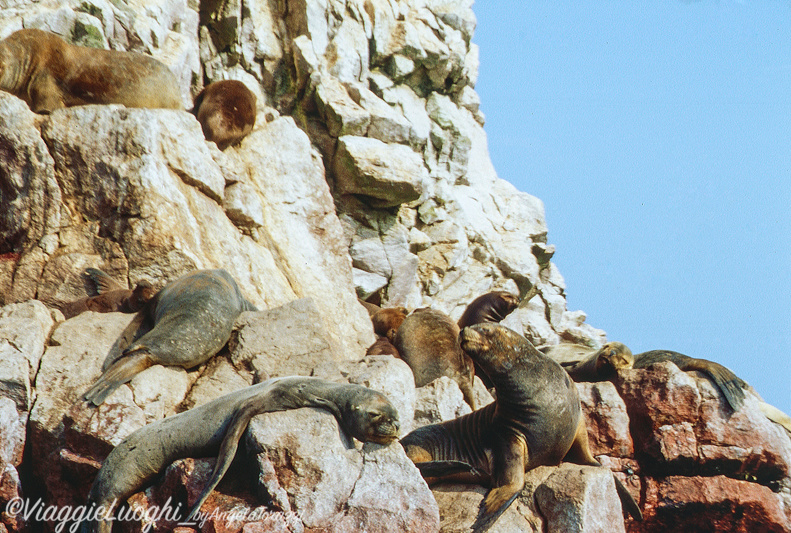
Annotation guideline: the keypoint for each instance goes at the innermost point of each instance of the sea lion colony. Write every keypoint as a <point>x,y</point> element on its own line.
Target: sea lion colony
<point>493,445</point>
<point>49,73</point>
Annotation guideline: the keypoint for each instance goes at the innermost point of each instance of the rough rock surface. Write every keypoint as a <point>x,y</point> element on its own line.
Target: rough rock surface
<point>367,175</point>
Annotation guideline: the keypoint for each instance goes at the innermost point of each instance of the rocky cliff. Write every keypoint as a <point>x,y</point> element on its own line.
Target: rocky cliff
<point>367,174</point>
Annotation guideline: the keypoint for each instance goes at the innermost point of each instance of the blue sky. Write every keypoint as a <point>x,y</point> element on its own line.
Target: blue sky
<point>658,136</point>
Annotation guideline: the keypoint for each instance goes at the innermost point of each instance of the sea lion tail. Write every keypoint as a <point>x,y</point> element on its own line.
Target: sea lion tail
<point>120,372</point>
<point>627,501</point>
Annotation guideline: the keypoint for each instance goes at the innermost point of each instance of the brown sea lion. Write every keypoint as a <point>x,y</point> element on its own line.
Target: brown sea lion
<point>535,420</point>
<point>371,308</point>
<point>226,112</point>
<point>601,365</point>
<point>214,429</point>
<point>490,307</point>
<point>109,296</point>
<point>382,346</point>
<point>193,317</point>
<point>428,341</point>
<point>48,73</point>
<point>731,386</point>
<point>386,321</point>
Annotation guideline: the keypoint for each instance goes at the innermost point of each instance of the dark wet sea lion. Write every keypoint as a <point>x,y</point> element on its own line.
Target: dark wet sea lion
<point>193,317</point>
<point>214,429</point>
<point>490,307</point>
<point>48,73</point>
<point>601,365</point>
<point>428,341</point>
<point>731,386</point>
<point>535,420</point>
<point>382,346</point>
<point>109,296</point>
<point>226,112</point>
<point>387,320</point>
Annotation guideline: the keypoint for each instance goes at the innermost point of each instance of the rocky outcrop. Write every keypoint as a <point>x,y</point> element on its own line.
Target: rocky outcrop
<point>367,175</point>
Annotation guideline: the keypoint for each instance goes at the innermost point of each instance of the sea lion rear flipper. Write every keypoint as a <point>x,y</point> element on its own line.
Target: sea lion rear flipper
<point>438,469</point>
<point>120,372</point>
<point>234,431</point>
<point>102,282</point>
<point>729,384</point>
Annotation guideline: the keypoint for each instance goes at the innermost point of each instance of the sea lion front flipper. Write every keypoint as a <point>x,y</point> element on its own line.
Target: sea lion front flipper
<point>233,432</point>
<point>627,501</point>
<point>102,282</point>
<point>120,372</point>
<point>508,481</point>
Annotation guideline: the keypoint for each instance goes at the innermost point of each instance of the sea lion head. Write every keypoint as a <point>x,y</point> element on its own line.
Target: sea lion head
<point>502,303</point>
<point>369,416</point>
<point>143,292</point>
<point>493,346</point>
<point>612,357</point>
<point>387,321</point>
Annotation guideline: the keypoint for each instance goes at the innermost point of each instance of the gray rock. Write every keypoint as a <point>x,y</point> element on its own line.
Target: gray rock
<point>389,174</point>
<point>580,499</point>
<point>289,340</point>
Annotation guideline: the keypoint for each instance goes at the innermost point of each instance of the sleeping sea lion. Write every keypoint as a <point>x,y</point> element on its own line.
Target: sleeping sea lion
<point>490,307</point>
<point>428,341</point>
<point>48,73</point>
<point>535,420</point>
<point>109,296</point>
<point>193,317</point>
<point>731,386</point>
<point>214,429</point>
<point>387,320</point>
<point>601,365</point>
<point>226,112</point>
<point>382,346</point>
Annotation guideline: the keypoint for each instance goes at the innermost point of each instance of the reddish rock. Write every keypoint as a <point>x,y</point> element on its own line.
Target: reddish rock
<point>681,425</point>
<point>606,419</point>
<point>715,503</point>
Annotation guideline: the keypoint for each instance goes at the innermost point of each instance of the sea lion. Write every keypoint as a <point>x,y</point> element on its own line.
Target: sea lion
<point>731,386</point>
<point>601,365</point>
<point>383,346</point>
<point>387,320</point>
<point>428,341</point>
<point>214,429</point>
<point>48,73</point>
<point>535,420</point>
<point>193,317</point>
<point>490,307</point>
<point>109,296</point>
<point>370,307</point>
<point>226,112</point>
